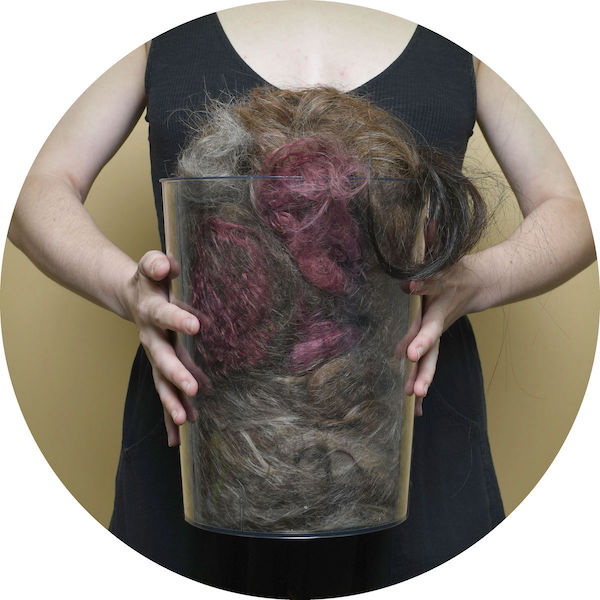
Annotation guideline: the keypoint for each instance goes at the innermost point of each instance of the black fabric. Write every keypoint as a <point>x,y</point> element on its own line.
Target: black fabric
<point>454,497</point>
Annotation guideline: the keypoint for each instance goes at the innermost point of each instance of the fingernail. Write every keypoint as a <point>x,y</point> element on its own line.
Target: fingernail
<point>190,325</point>
<point>174,415</point>
<point>186,387</point>
<point>419,351</point>
<point>425,391</point>
<point>416,287</point>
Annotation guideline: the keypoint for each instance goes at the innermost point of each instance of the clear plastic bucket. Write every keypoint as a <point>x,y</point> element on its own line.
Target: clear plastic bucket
<point>303,428</point>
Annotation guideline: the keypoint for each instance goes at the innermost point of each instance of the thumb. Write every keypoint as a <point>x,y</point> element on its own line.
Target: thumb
<point>154,265</point>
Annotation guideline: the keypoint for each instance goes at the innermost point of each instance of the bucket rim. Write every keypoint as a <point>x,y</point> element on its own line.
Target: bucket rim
<point>252,177</point>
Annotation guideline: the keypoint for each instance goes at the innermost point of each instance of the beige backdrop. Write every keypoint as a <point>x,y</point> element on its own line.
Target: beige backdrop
<point>69,360</point>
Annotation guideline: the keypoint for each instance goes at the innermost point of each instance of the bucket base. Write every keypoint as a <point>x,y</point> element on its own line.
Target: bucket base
<point>295,535</point>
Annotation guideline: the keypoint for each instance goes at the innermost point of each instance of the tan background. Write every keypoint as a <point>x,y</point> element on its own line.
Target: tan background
<point>69,360</point>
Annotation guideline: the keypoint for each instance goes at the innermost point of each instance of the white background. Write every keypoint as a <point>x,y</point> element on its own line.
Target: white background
<point>51,51</point>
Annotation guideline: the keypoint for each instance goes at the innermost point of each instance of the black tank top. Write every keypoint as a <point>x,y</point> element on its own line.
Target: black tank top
<point>430,86</point>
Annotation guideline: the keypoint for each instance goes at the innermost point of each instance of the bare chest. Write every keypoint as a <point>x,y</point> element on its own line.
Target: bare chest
<point>343,50</point>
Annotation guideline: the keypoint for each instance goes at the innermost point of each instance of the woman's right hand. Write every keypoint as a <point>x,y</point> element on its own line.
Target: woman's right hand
<point>146,299</point>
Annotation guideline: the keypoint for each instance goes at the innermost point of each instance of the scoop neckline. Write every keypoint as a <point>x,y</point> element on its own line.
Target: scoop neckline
<point>395,62</point>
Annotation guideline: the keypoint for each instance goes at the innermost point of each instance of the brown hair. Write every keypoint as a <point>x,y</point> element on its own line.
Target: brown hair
<point>237,137</point>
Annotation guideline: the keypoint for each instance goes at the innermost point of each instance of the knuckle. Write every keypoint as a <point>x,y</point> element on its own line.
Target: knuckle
<point>156,313</point>
<point>142,310</point>
<point>147,309</point>
<point>160,360</point>
<point>424,341</point>
<point>156,353</point>
<point>175,370</point>
<point>145,337</point>
<point>141,307</point>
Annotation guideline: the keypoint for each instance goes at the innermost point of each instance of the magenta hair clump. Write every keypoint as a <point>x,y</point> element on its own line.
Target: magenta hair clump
<point>322,340</point>
<point>231,287</point>
<point>312,213</point>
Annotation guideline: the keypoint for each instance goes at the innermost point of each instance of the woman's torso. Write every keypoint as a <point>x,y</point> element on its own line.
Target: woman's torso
<point>454,501</point>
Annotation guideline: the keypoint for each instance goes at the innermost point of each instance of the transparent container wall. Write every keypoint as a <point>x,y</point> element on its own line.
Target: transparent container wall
<point>303,428</point>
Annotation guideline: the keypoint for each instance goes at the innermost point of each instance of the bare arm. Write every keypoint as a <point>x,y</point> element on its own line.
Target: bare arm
<point>51,226</point>
<point>552,244</point>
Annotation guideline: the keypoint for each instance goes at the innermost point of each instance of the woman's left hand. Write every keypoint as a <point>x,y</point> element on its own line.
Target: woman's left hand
<point>446,297</point>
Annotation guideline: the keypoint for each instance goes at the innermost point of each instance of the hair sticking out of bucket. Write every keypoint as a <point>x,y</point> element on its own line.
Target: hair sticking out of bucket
<point>235,137</point>
<point>300,273</point>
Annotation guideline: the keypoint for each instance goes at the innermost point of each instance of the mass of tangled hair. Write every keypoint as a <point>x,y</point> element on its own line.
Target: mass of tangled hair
<point>298,271</point>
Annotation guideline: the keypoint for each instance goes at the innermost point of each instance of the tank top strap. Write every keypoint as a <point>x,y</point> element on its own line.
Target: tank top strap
<point>431,86</point>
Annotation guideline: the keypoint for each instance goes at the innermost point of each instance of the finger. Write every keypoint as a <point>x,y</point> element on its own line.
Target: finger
<point>205,320</point>
<point>409,386</point>
<point>169,316</point>
<point>172,430</point>
<point>169,398</point>
<point>163,358</point>
<point>418,407</point>
<point>432,327</point>
<point>197,373</point>
<point>426,287</point>
<point>410,335</point>
<point>154,265</point>
<point>190,409</point>
<point>427,366</point>
<point>402,345</point>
